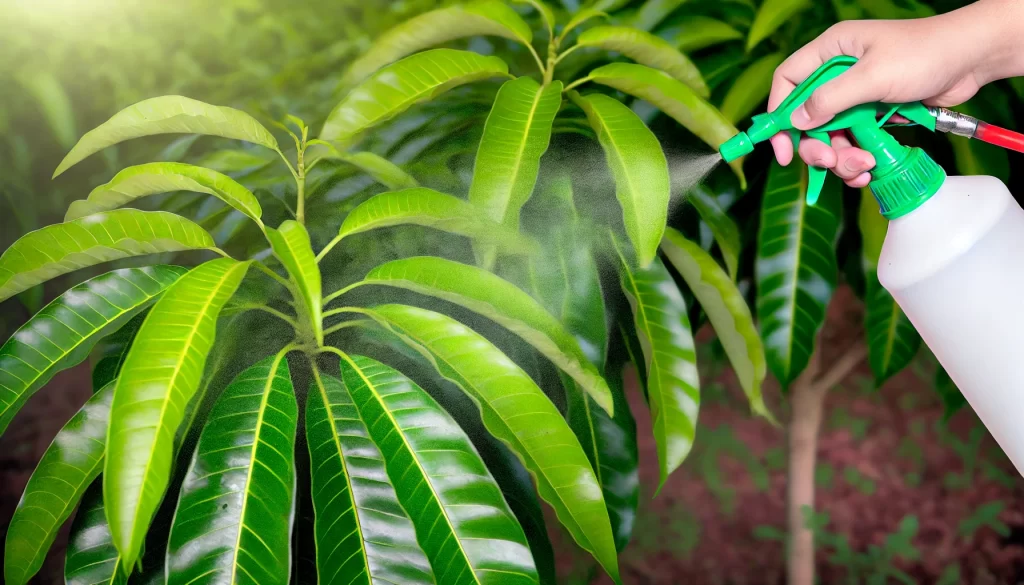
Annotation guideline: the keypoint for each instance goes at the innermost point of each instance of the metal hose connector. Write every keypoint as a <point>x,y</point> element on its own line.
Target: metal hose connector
<point>954,122</point>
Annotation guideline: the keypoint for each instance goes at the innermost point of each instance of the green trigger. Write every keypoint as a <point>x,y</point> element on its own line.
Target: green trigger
<point>816,175</point>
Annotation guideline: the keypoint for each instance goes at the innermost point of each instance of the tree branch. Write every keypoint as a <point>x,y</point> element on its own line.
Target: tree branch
<point>850,359</point>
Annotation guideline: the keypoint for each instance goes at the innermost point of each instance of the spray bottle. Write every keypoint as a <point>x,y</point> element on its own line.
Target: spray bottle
<point>953,257</point>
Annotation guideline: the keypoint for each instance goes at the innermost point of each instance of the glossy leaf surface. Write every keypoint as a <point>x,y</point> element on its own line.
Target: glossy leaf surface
<point>113,349</point>
<point>381,169</point>
<point>727,311</point>
<point>158,379</point>
<point>796,268</point>
<point>892,339</point>
<point>504,393</point>
<point>646,49</point>
<point>429,208</point>
<point>153,178</point>
<point>64,247</point>
<point>501,301</point>
<point>652,12</point>
<point>642,183</point>
<point>234,515</point>
<point>696,32</point>
<point>92,558</point>
<point>461,519</point>
<point>66,470</point>
<point>675,99</point>
<point>723,228</point>
<point>167,115</point>
<point>363,534</point>
<point>770,16</point>
<point>395,88</point>
<point>65,331</point>
<point>751,88</point>
<point>515,137</point>
<point>292,247</point>
<point>670,360</point>
<point>487,18</point>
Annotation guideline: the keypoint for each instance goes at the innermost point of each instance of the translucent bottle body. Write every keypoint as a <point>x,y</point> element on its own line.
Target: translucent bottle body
<point>955,265</point>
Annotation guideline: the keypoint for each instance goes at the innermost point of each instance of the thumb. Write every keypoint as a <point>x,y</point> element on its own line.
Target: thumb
<point>854,87</point>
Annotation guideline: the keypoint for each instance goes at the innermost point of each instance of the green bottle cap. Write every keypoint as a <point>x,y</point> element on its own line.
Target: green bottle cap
<point>906,185</point>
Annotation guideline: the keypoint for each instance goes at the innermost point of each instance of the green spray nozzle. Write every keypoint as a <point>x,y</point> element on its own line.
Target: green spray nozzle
<point>895,164</point>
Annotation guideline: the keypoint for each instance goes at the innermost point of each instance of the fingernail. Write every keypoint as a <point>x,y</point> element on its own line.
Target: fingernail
<point>801,117</point>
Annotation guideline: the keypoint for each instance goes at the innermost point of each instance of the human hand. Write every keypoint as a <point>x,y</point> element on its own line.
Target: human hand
<point>941,60</point>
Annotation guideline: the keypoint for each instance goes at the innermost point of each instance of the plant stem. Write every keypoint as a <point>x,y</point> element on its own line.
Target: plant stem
<point>344,325</point>
<point>330,245</point>
<point>565,54</point>
<point>338,293</point>
<point>300,181</point>
<point>807,399</point>
<point>575,84</point>
<point>289,320</point>
<point>273,275</point>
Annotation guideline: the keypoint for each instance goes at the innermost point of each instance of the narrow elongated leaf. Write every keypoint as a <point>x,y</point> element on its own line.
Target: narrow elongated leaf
<point>64,247</point>
<point>234,516</point>
<point>461,518</point>
<point>51,98</point>
<point>653,12</point>
<point>426,207</point>
<point>675,99</point>
<point>381,169</point>
<point>65,331</point>
<point>395,88</point>
<point>722,227</point>
<point>751,88</point>
<point>642,183</point>
<point>159,377</point>
<point>150,179</point>
<point>796,268</point>
<point>547,14</point>
<point>670,360</point>
<point>581,16</point>
<point>727,311</point>
<point>291,245</point>
<point>113,349</point>
<point>518,413</point>
<point>499,300</point>
<point>490,18</point>
<point>168,115</point>
<point>647,49</point>
<point>92,558</point>
<point>363,535</point>
<point>694,33</point>
<point>772,15</point>
<point>892,339</point>
<point>516,135</point>
<point>67,468</point>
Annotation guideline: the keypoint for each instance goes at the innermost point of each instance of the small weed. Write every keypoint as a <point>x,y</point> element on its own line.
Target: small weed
<point>857,426</point>
<point>651,535</point>
<point>859,481</point>
<point>876,565</point>
<point>712,445</point>
<point>984,516</point>
<point>910,450</point>
<point>824,473</point>
<point>775,459</point>
<point>951,576</point>
<point>968,453</point>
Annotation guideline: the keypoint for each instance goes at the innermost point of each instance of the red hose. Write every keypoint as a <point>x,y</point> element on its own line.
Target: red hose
<point>1000,136</point>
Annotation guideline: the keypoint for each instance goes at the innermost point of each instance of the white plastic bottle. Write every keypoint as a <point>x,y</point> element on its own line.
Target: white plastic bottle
<point>955,265</point>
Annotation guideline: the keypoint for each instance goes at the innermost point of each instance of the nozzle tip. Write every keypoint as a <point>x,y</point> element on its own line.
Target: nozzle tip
<point>735,147</point>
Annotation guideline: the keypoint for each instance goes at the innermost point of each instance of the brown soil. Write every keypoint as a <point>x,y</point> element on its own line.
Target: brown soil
<point>689,534</point>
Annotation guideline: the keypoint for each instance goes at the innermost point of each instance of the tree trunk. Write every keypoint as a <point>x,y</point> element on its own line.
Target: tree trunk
<point>806,401</point>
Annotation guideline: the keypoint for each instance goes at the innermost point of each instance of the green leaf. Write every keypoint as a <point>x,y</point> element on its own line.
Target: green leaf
<point>234,516</point>
<point>670,360</point>
<point>395,88</point>
<point>381,169</point>
<point>892,339</point>
<point>65,247</point>
<point>694,33</point>
<point>722,227</point>
<point>727,311</point>
<point>501,301</point>
<point>653,12</point>
<point>504,394</point>
<point>952,399</point>
<point>158,379</point>
<point>65,331</point>
<point>112,350</point>
<point>361,528</point>
<point>92,558</point>
<point>515,137</point>
<point>751,88</point>
<point>67,468</point>
<point>487,18</point>
<point>53,100</point>
<point>642,182</point>
<point>772,15</point>
<point>291,246</point>
<point>581,16</point>
<point>461,519</point>
<point>547,14</point>
<point>675,99</point>
<point>167,115</point>
<point>796,268</point>
<point>646,49</point>
<point>150,179</point>
<point>426,207</point>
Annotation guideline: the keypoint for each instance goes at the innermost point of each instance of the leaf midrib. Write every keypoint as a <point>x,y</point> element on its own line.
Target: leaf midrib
<point>621,161</point>
<point>521,150</point>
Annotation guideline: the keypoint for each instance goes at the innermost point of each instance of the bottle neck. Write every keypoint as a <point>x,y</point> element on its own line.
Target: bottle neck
<point>889,154</point>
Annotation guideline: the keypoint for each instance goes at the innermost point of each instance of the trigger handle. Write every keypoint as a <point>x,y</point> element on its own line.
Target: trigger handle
<point>816,175</point>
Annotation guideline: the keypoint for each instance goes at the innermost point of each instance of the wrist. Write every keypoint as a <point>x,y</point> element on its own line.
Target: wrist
<point>997,28</point>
